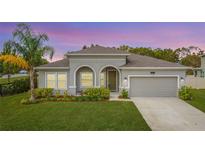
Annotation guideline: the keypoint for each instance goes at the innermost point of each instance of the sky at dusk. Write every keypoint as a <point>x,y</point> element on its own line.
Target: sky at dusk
<point>70,36</point>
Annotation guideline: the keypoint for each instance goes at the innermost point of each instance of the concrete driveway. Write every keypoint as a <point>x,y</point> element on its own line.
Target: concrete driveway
<point>169,113</point>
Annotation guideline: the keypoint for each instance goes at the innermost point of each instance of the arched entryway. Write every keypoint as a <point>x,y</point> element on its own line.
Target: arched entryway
<point>109,78</point>
<point>85,78</point>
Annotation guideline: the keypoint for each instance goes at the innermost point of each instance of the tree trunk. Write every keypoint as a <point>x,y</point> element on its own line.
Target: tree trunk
<point>8,77</point>
<point>9,71</point>
<point>31,73</point>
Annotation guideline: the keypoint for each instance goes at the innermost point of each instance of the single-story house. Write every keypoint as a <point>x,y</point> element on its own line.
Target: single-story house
<point>200,72</point>
<point>99,66</point>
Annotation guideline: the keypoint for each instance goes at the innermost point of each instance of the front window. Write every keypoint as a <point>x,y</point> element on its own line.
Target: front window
<point>62,81</point>
<point>56,80</point>
<point>102,79</point>
<point>51,80</point>
<point>86,79</point>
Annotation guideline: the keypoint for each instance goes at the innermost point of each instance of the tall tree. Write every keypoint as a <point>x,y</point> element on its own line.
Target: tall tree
<point>191,60</point>
<point>164,54</point>
<point>124,48</point>
<point>84,47</point>
<point>31,46</point>
<point>191,50</point>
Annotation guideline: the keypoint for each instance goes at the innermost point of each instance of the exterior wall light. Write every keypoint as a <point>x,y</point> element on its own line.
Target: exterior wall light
<point>125,82</point>
<point>182,79</point>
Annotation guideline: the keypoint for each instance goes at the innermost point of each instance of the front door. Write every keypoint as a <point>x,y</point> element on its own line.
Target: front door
<point>112,80</point>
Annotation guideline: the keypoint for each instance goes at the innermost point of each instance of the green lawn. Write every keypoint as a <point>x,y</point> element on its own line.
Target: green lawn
<point>5,80</point>
<point>69,115</point>
<point>198,99</point>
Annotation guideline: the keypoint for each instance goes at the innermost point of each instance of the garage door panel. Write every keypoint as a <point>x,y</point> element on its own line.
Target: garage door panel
<point>153,86</point>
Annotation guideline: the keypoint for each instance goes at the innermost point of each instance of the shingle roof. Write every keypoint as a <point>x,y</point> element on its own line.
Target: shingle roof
<point>135,60</point>
<point>59,63</point>
<point>98,50</point>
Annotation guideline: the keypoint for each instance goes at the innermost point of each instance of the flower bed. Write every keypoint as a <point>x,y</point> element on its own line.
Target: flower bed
<point>48,95</point>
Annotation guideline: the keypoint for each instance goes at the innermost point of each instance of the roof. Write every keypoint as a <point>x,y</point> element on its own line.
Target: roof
<point>64,63</point>
<point>135,60</point>
<point>99,50</point>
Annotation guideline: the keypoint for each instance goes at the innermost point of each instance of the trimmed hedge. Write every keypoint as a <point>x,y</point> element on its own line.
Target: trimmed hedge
<point>16,86</point>
<point>43,92</point>
<point>124,94</point>
<point>97,92</point>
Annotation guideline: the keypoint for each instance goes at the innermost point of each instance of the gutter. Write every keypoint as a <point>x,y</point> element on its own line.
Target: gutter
<point>155,68</point>
<point>74,54</point>
<point>43,68</point>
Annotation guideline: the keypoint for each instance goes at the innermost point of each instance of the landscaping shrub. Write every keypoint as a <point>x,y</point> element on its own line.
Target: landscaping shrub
<point>97,92</point>
<point>66,93</point>
<point>124,94</point>
<point>57,93</point>
<point>185,93</point>
<point>16,86</point>
<point>43,92</point>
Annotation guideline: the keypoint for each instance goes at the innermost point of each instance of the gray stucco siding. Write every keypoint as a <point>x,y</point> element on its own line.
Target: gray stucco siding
<point>96,63</point>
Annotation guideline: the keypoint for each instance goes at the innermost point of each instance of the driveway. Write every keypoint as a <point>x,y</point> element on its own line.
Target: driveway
<point>169,113</point>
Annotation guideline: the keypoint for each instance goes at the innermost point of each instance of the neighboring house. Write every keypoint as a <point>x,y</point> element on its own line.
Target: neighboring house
<point>99,66</point>
<point>200,72</point>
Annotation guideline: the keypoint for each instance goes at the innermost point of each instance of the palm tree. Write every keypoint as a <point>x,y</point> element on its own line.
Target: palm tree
<point>31,47</point>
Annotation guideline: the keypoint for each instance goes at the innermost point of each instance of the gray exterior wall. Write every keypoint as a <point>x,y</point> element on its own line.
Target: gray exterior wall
<point>97,63</point>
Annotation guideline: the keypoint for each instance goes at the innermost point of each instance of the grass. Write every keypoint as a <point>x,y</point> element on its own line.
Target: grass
<point>69,116</point>
<point>5,80</point>
<point>198,100</point>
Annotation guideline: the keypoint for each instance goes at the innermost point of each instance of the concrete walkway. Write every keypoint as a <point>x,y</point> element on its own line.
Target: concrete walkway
<point>170,113</point>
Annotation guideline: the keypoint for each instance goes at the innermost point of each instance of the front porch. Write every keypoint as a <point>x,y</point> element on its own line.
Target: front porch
<point>109,78</point>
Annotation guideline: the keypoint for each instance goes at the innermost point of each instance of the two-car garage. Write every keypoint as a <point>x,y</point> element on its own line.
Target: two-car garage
<point>149,86</point>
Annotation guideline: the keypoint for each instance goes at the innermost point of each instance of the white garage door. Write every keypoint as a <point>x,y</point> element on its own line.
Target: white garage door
<point>153,86</point>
